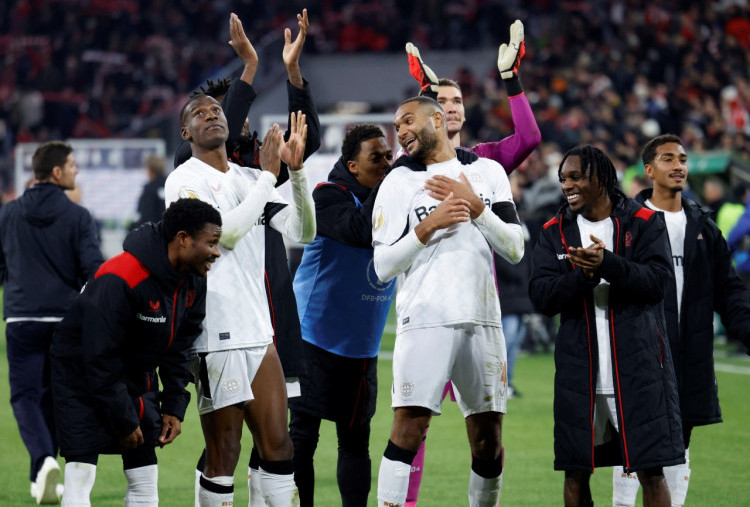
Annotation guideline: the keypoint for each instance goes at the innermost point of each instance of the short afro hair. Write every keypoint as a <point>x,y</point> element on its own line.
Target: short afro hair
<point>354,138</point>
<point>189,215</point>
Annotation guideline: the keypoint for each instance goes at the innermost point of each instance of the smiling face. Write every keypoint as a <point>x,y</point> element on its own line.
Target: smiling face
<point>372,161</point>
<point>198,252</point>
<point>668,170</point>
<point>583,194</point>
<point>452,102</point>
<point>416,127</point>
<point>203,123</point>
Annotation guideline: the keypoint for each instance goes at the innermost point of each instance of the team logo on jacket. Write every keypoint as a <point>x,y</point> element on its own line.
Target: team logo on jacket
<point>375,283</point>
<point>154,306</point>
<point>190,299</point>
<point>628,238</point>
<point>161,319</point>
<point>378,219</point>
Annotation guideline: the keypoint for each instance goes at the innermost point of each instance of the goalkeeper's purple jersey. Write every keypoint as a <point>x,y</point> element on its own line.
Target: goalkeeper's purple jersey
<point>514,149</point>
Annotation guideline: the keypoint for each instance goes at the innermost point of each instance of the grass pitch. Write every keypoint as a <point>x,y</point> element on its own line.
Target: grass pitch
<point>720,454</point>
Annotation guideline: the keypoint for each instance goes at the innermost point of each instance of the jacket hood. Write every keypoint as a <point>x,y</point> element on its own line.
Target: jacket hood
<point>691,207</point>
<point>148,244</point>
<point>341,176</point>
<point>42,204</point>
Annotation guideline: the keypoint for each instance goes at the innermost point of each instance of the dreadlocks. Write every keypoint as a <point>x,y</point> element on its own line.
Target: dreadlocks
<point>594,160</point>
<point>213,88</point>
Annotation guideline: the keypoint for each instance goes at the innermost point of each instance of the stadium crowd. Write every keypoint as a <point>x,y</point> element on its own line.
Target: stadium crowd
<point>612,72</point>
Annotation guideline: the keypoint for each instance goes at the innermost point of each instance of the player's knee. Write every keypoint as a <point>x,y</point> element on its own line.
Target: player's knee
<point>651,478</point>
<point>276,446</point>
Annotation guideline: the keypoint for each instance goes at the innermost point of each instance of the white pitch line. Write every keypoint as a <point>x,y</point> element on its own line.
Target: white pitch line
<point>731,368</point>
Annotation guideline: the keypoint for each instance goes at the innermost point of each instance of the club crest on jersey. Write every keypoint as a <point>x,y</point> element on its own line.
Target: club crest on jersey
<point>378,218</point>
<point>187,193</point>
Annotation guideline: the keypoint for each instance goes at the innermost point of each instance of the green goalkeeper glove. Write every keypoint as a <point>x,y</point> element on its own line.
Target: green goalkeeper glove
<point>427,79</point>
<point>509,55</point>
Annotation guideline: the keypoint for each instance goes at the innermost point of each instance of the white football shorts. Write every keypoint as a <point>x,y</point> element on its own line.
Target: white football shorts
<point>224,378</point>
<point>472,356</point>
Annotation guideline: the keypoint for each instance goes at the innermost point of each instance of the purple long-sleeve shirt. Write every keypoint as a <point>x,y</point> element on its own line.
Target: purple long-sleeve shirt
<point>514,149</point>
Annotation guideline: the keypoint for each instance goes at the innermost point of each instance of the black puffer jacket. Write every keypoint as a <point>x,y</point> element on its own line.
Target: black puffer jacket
<point>710,285</point>
<point>138,314</point>
<point>638,269</point>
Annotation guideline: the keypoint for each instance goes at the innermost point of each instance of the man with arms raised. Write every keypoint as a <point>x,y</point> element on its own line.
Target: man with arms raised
<point>237,370</point>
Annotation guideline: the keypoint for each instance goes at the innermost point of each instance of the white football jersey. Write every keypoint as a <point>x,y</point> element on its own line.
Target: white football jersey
<point>237,314</point>
<point>451,280</point>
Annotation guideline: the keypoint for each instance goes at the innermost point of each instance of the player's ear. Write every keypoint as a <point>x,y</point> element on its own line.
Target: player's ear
<point>352,166</point>
<point>437,119</point>
<point>184,134</point>
<point>183,238</point>
<point>649,170</point>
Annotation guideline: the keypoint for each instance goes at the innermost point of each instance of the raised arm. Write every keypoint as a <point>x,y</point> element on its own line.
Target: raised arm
<point>514,149</point>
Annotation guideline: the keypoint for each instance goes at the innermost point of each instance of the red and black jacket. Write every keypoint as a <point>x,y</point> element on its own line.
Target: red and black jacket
<point>639,269</point>
<point>137,316</point>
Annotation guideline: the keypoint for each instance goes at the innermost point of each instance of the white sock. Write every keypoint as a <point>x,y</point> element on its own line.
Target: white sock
<point>221,493</point>
<point>624,488</point>
<point>678,478</point>
<point>197,486</point>
<point>79,479</point>
<point>393,482</point>
<point>278,490</point>
<point>143,490</point>
<point>484,492</point>
<point>254,488</point>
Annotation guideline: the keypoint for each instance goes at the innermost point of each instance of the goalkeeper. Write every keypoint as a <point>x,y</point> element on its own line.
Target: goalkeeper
<point>509,152</point>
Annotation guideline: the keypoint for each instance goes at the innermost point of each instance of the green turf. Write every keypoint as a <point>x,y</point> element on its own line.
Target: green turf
<point>720,454</point>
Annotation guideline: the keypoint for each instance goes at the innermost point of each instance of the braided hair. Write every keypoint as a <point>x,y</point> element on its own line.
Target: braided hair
<point>594,160</point>
<point>215,89</point>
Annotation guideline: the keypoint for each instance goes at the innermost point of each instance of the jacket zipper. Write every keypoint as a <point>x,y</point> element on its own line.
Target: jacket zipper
<point>174,310</point>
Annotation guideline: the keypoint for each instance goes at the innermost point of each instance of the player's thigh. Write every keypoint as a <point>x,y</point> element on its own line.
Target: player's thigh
<point>422,361</point>
<point>480,370</point>
<point>266,414</point>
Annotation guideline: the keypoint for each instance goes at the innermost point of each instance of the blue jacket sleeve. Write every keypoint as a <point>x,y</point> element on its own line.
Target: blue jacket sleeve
<point>338,217</point>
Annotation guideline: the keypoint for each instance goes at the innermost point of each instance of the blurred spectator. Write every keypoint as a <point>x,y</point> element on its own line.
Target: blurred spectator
<point>151,203</point>
<point>614,73</point>
<point>724,211</point>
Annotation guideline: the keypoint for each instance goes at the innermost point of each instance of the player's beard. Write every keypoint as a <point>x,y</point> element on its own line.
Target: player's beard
<point>427,138</point>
